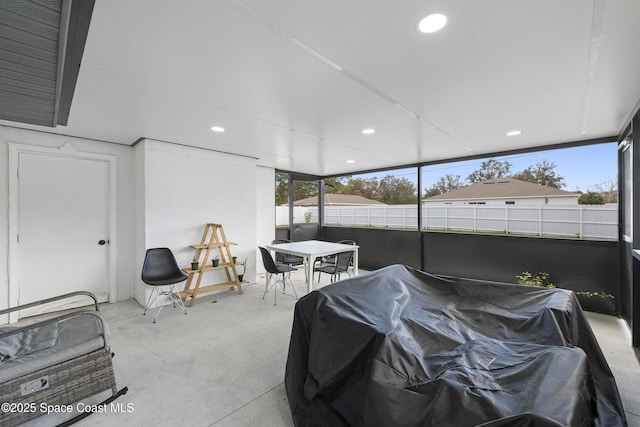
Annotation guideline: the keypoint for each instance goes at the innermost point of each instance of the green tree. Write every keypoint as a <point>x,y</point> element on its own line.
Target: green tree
<point>542,173</point>
<point>490,169</point>
<point>304,189</point>
<point>282,188</point>
<point>301,189</point>
<point>336,185</point>
<point>445,184</point>
<point>362,187</point>
<point>396,191</point>
<point>591,198</point>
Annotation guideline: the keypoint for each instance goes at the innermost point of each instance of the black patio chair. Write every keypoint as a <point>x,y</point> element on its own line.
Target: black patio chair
<point>160,270</point>
<point>331,259</point>
<point>282,258</point>
<point>276,269</point>
<point>288,259</point>
<point>340,265</point>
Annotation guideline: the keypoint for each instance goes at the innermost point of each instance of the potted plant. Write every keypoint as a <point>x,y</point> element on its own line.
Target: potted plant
<point>216,261</point>
<point>244,269</point>
<point>194,263</point>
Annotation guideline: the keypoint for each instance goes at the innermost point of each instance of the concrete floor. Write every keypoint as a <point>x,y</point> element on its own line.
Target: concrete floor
<point>223,363</point>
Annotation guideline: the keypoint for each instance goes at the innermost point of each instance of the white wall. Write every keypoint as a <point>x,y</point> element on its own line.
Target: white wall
<point>125,220</point>
<point>185,188</point>
<point>165,195</point>
<point>139,292</point>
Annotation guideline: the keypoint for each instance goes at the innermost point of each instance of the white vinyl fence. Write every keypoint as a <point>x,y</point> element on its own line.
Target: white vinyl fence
<point>581,221</point>
<point>384,216</point>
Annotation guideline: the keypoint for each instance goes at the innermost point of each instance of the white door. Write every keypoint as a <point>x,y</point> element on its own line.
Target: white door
<point>62,227</point>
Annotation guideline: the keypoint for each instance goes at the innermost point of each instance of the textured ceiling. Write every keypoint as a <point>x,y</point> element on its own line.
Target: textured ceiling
<point>294,83</point>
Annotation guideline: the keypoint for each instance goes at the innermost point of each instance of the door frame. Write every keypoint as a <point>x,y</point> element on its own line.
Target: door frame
<point>69,151</point>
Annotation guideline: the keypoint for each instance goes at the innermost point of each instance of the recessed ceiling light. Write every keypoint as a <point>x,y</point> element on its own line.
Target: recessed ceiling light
<point>351,161</point>
<point>432,23</point>
<point>368,131</point>
<point>217,129</point>
<point>514,133</point>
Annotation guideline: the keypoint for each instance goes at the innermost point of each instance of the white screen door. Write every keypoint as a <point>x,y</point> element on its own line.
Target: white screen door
<point>62,227</point>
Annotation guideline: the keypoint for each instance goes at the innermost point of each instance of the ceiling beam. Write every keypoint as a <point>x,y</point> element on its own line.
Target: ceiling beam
<point>78,28</point>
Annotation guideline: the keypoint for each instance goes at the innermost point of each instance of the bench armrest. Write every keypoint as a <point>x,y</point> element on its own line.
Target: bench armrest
<point>48,300</point>
<point>11,330</point>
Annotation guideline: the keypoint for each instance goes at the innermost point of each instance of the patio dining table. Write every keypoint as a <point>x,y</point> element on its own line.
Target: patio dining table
<point>311,250</point>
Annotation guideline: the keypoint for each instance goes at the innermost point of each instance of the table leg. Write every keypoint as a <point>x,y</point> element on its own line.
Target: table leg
<point>310,262</point>
<point>355,262</point>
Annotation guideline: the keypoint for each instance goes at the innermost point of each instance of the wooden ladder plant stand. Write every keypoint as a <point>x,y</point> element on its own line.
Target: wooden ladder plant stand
<point>213,243</point>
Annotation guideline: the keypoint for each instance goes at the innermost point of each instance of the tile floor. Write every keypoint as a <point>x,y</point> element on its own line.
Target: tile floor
<point>223,363</point>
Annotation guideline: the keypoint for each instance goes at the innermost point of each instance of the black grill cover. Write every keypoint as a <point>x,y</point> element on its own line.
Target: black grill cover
<point>400,347</point>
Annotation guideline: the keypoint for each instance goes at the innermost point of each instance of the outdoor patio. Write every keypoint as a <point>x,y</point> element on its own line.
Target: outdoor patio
<point>223,363</point>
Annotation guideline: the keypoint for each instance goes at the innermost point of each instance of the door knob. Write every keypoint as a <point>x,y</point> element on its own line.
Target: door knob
<point>102,242</point>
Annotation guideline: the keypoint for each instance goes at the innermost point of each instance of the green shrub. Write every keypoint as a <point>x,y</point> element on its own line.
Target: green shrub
<point>543,280</point>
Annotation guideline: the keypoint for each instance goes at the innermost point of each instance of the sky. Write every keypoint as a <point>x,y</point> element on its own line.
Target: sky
<point>583,168</point>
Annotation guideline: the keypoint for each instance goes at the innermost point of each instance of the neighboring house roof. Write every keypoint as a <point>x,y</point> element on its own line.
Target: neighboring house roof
<point>501,188</point>
<point>337,200</point>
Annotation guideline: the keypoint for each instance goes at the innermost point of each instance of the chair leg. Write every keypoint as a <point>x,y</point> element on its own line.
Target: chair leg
<point>274,287</point>
<point>172,295</point>
<point>266,286</point>
<point>155,301</point>
<point>155,293</point>
<point>175,296</point>
<point>148,304</point>
<point>294,289</point>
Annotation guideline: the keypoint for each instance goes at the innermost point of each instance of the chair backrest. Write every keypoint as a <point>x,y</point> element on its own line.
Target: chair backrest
<point>284,258</point>
<point>347,242</point>
<point>343,259</point>
<point>160,266</point>
<point>279,255</point>
<point>267,260</point>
